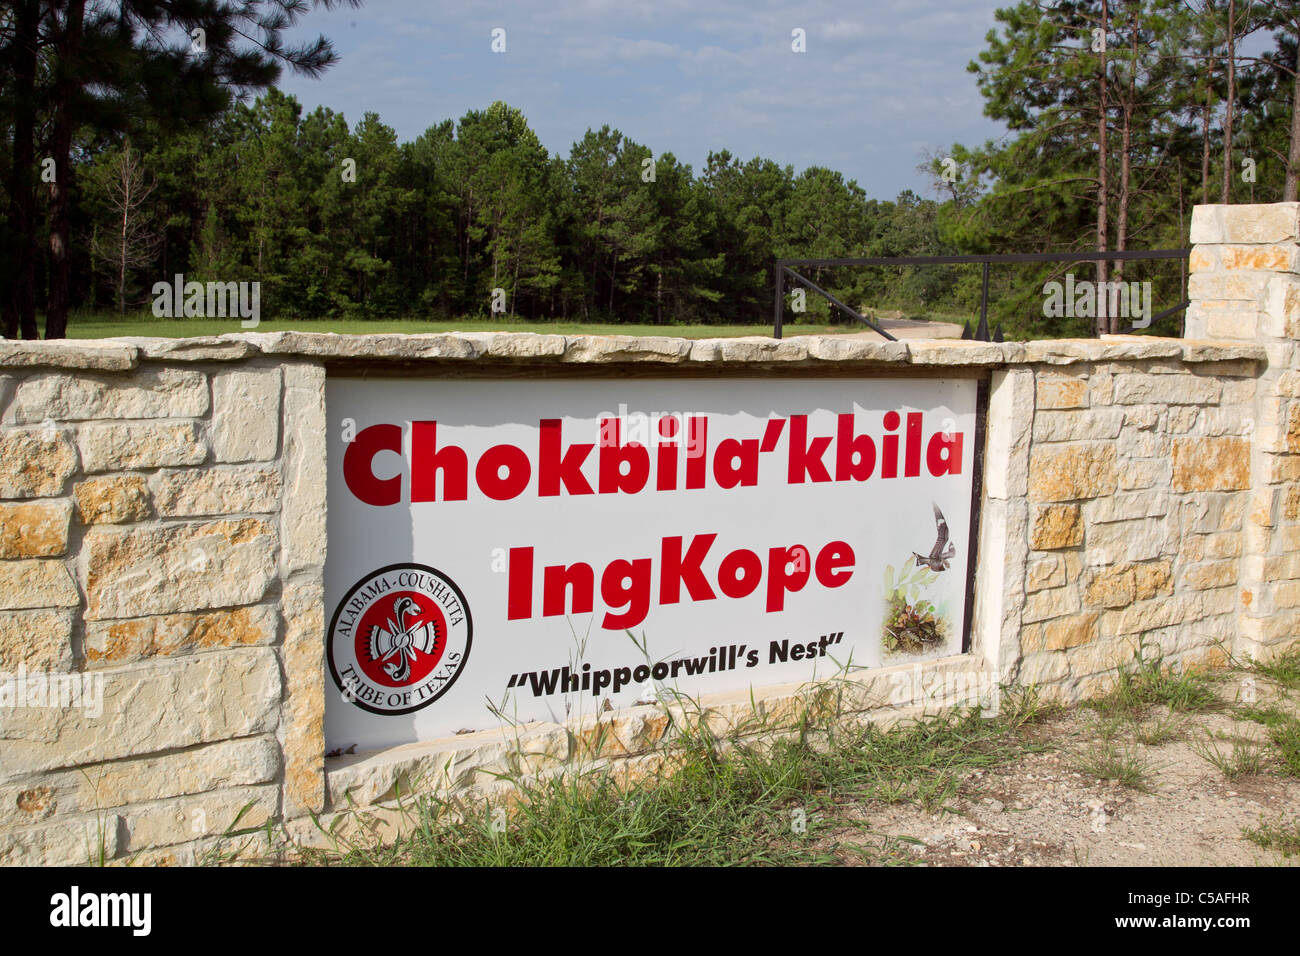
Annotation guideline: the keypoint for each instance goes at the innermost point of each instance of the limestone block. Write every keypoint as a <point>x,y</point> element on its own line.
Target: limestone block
<point>302,519</point>
<point>36,583</point>
<point>113,499</point>
<point>304,714</point>
<point>1139,389</point>
<point>1257,223</point>
<point>116,642</point>
<point>124,446</point>
<point>132,572</point>
<point>34,529</point>
<point>82,841</point>
<point>151,392</point>
<point>1084,425</point>
<point>1070,631</point>
<point>144,709</point>
<point>35,462</point>
<point>120,783</point>
<point>1211,464</point>
<point>1071,472</point>
<point>246,414</point>
<point>1056,526</point>
<point>37,639</point>
<point>1061,392</point>
<point>189,492</point>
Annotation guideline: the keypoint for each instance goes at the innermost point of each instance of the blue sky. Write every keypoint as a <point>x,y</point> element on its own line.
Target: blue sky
<point>881,80</point>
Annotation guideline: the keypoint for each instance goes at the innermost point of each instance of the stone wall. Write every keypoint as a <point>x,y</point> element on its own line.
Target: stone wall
<point>162,540</point>
<point>1245,287</point>
<point>1115,511</point>
<point>162,516</point>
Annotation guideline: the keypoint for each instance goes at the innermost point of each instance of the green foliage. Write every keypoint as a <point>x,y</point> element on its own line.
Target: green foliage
<point>714,802</point>
<point>912,623</point>
<point>1148,681</point>
<point>612,233</point>
<point>1108,760</point>
<point>1284,668</point>
<point>1282,836</point>
<point>348,223</point>
<point>1246,758</point>
<point>1285,740</point>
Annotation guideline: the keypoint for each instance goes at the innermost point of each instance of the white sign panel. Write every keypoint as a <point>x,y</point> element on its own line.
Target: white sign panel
<point>560,546</point>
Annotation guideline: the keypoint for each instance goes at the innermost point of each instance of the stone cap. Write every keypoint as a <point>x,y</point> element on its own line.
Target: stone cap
<point>1246,223</point>
<point>533,349</point>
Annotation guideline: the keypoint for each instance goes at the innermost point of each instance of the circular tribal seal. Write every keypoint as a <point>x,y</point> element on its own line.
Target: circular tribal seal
<point>399,639</point>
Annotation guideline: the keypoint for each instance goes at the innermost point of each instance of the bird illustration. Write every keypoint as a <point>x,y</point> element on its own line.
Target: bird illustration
<point>939,555</point>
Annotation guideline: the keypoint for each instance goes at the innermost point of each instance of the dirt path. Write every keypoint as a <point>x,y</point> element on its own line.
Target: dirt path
<point>907,329</point>
<point>1043,810</point>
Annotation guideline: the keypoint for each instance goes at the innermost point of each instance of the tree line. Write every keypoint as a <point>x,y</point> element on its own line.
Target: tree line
<point>1121,115</point>
<point>472,217</point>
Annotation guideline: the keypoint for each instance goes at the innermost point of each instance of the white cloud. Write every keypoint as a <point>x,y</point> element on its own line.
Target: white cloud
<point>684,76</point>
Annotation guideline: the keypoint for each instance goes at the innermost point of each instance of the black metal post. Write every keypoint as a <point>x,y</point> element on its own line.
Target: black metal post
<point>787,266</point>
<point>779,309</point>
<point>839,305</point>
<point>982,333</point>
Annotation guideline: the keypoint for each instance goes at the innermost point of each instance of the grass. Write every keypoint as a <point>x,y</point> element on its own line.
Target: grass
<point>1245,759</point>
<point>1285,739</point>
<point>1107,760</point>
<point>1021,707</point>
<point>1149,682</point>
<point>1281,836</point>
<point>100,325</point>
<point>759,800</point>
<point>1268,716</point>
<point>1162,730</point>
<point>1283,669</point>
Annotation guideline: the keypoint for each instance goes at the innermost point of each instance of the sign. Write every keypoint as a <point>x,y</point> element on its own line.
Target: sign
<point>558,547</point>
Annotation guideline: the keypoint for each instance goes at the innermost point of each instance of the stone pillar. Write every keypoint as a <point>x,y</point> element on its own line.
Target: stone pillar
<point>1245,286</point>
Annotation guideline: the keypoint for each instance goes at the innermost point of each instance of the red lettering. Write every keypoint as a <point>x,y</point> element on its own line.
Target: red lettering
<point>805,456</point>
<point>912,462</point>
<point>666,456</point>
<point>697,451</point>
<point>677,571</point>
<point>488,472</point>
<point>779,578</point>
<point>727,472</point>
<point>427,460</point>
<point>554,468</point>
<point>855,457</point>
<point>358,459</point>
<point>614,455</point>
<point>889,446</point>
<point>557,578</point>
<point>943,456</point>
<point>519,586</point>
<point>835,564</point>
<point>626,583</point>
<point>739,573</point>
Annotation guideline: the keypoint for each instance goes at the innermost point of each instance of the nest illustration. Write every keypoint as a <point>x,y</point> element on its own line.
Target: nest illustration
<point>913,628</point>
<point>912,624</point>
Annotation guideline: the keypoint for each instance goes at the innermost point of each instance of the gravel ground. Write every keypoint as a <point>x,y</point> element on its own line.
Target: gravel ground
<point>1042,810</point>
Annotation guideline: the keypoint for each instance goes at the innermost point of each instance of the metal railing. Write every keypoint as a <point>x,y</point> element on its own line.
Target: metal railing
<point>784,269</point>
